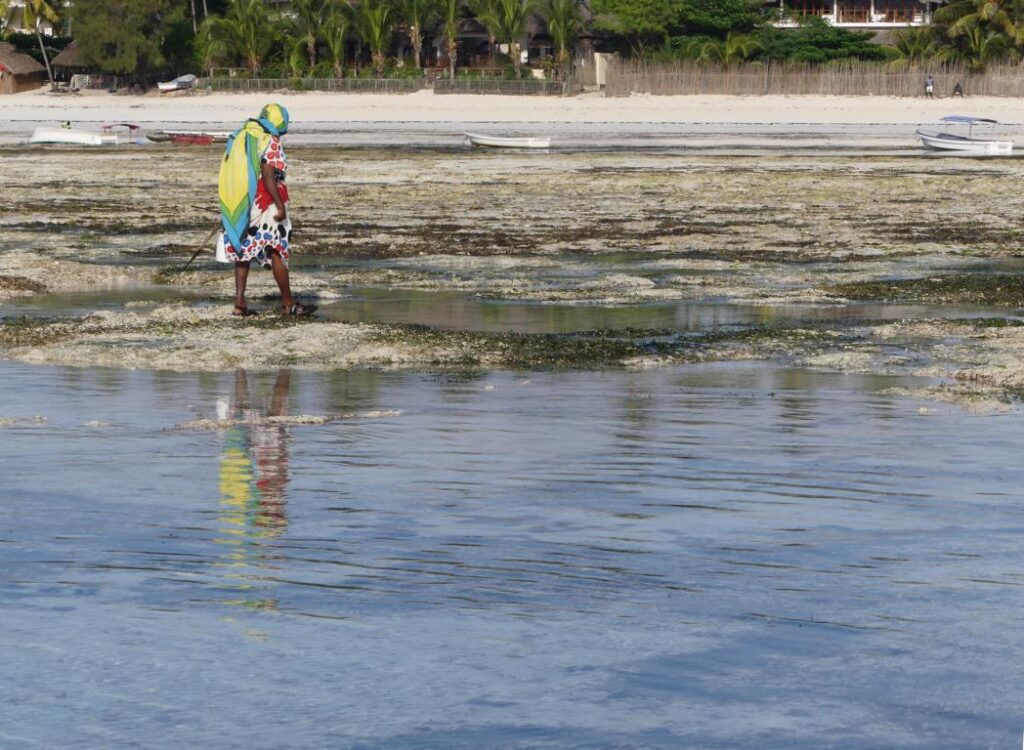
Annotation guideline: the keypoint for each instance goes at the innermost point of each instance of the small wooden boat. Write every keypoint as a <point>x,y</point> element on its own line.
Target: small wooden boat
<point>178,84</point>
<point>109,135</point>
<point>192,139</point>
<point>498,141</point>
<point>189,137</point>
<point>966,144</point>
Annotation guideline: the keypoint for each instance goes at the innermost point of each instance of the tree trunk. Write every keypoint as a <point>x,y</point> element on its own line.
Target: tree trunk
<point>452,51</point>
<point>378,63</point>
<point>195,26</point>
<point>417,45</point>
<point>311,49</point>
<point>563,63</point>
<point>46,58</point>
<point>206,13</point>
<point>492,43</point>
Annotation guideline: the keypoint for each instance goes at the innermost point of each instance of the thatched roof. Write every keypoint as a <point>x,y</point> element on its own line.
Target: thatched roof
<point>17,63</point>
<point>70,57</point>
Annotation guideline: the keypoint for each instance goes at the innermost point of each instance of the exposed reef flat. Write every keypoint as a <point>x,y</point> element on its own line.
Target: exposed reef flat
<point>589,229</point>
<point>969,359</point>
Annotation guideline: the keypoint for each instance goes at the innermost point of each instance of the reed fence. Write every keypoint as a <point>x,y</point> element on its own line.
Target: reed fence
<point>525,87</point>
<point>627,77</point>
<point>341,85</point>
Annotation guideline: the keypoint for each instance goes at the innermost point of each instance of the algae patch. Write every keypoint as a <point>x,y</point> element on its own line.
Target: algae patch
<point>1004,290</point>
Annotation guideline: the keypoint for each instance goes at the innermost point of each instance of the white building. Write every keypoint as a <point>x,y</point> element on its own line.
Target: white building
<point>859,14</point>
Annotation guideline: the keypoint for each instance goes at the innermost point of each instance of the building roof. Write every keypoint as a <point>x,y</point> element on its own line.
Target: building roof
<point>17,63</point>
<point>70,57</point>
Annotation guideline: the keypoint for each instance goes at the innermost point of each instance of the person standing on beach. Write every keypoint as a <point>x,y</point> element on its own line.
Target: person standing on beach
<point>253,204</point>
<point>929,86</point>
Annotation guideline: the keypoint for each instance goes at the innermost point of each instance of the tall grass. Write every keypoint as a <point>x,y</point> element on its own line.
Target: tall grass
<point>854,78</point>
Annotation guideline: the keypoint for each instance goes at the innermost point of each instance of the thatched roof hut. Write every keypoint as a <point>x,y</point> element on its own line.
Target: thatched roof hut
<point>18,72</point>
<point>70,58</point>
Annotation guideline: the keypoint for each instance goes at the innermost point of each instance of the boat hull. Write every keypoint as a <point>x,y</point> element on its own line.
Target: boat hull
<point>181,83</point>
<point>960,144</point>
<point>188,136</point>
<point>72,137</point>
<point>192,139</point>
<point>494,141</point>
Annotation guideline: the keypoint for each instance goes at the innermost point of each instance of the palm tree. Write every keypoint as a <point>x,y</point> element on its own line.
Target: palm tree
<point>735,48</point>
<point>295,56</point>
<point>337,22</point>
<point>306,22</point>
<point>374,21</point>
<point>37,11</point>
<point>243,33</point>
<point>512,17</point>
<point>977,48</point>
<point>564,23</point>
<point>450,29</point>
<point>486,13</point>
<point>913,46</point>
<point>979,31</point>
<point>5,9</point>
<point>417,14</point>
<point>961,15</point>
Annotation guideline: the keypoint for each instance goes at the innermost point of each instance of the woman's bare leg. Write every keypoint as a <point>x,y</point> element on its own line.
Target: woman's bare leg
<point>281,277</point>
<point>241,279</point>
<point>279,396</point>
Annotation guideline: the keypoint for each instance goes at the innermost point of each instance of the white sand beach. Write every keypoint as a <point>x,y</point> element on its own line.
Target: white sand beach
<point>324,109</point>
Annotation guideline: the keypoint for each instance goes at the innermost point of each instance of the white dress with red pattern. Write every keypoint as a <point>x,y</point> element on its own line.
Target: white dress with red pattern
<point>265,235</point>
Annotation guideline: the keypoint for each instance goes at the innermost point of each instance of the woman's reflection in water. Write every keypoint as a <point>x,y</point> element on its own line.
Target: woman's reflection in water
<point>254,475</point>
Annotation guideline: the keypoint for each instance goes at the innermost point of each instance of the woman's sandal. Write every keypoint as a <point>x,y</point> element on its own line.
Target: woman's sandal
<point>299,310</point>
<point>244,312</point>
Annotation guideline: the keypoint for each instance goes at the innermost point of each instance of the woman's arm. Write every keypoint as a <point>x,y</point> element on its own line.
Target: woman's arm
<point>270,180</point>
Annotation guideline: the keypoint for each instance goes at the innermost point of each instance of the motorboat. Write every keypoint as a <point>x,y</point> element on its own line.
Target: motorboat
<point>180,83</point>
<point>109,135</point>
<point>966,144</point>
<point>497,141</point>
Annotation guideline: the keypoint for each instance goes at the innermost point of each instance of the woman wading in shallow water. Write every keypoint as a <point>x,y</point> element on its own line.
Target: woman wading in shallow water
<point>253,206</point>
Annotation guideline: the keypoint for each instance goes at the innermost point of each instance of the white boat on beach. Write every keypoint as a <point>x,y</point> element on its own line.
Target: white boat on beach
<point>966,144</point>
<point>109,135</point>
<point>71,137</point>
<point>178,84</point>
<point>498,141</point>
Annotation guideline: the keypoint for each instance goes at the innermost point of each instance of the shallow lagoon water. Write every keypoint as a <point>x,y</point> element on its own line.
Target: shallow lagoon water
<point>714,556</point>
<point>459,311</point>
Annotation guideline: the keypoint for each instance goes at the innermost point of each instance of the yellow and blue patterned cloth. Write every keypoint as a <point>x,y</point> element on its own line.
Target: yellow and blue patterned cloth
<point>240,169</point>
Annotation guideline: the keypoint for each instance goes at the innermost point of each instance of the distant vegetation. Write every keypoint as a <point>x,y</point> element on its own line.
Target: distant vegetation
<point>390,38</point>
<point>974,33</point>
<point>968,33</point>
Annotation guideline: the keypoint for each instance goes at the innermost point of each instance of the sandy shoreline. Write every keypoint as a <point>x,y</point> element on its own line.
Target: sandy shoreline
<point>322,109</point>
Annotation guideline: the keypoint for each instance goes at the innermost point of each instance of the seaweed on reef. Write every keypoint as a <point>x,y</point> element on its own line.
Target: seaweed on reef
<point>21,284</point>
<point>963,288</point>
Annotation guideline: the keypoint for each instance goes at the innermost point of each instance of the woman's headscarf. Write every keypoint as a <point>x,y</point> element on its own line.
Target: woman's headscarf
<point>240,169</point>
<point>274,118</point>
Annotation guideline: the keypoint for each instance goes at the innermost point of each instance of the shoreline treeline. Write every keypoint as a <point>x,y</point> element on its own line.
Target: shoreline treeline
<point>140,39</point>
